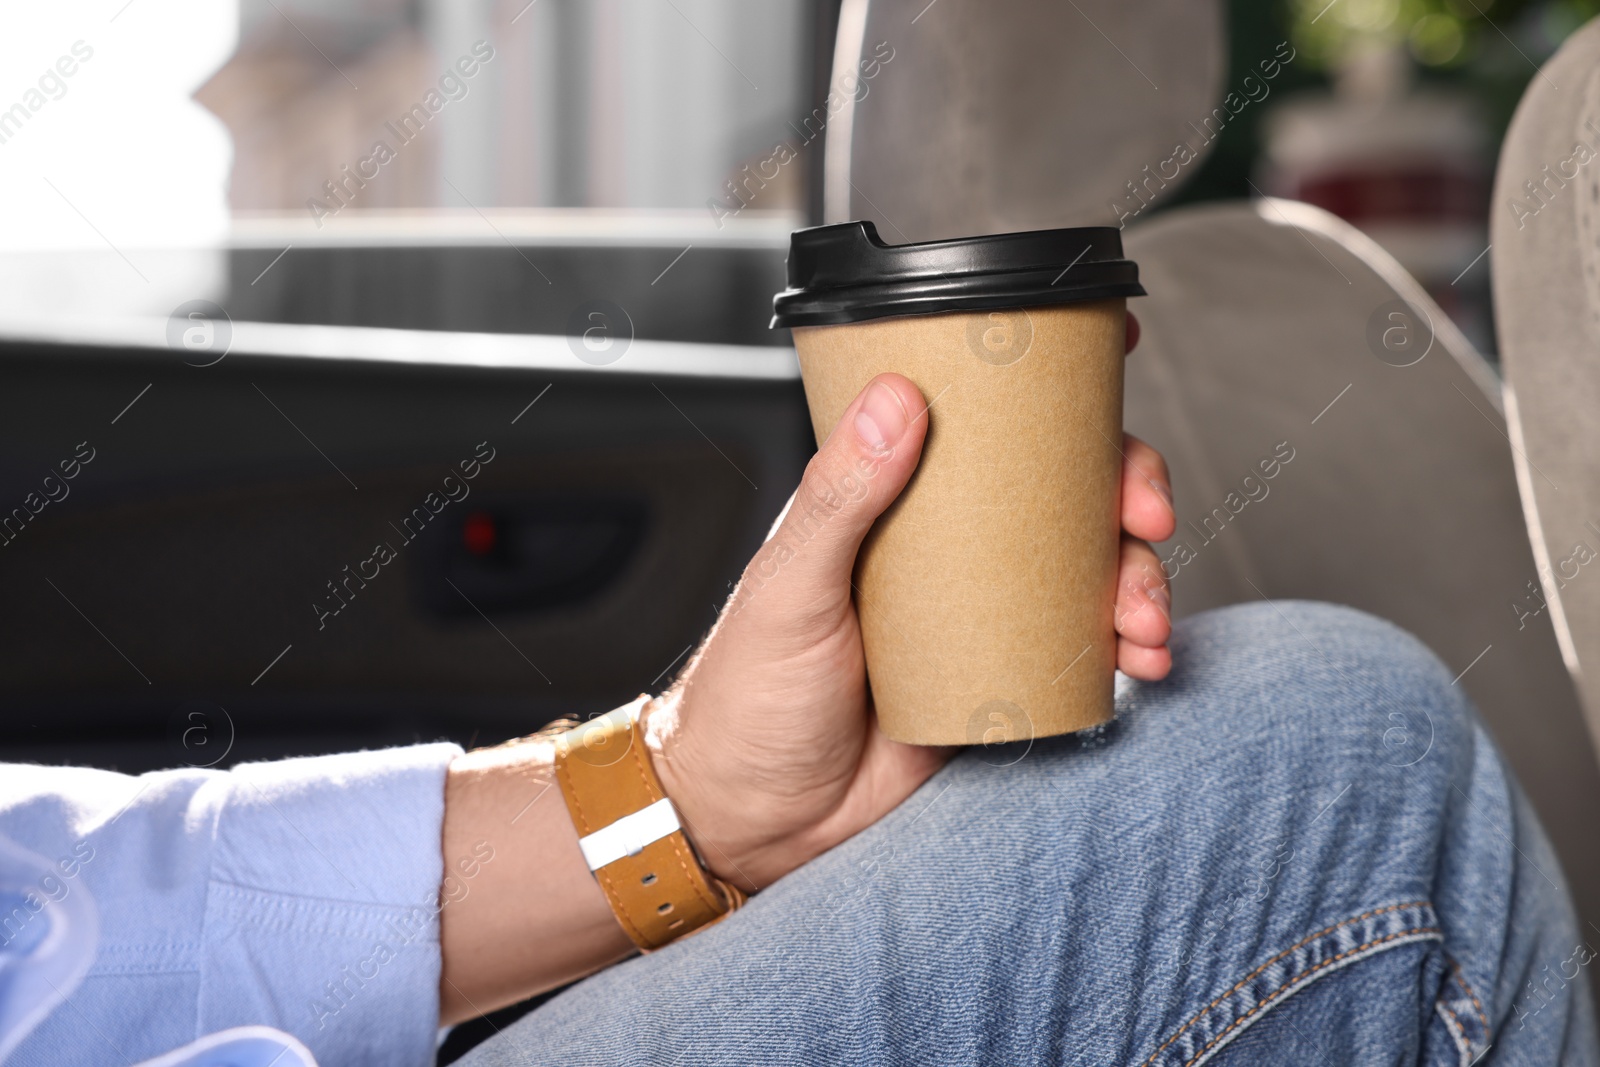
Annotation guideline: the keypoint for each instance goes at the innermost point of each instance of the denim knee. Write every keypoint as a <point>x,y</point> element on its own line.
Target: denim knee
<point>1332,682</point>
<point>1256,821</point>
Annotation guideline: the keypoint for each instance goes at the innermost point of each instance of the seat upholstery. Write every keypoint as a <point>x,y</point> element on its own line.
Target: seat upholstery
<point>1545,228</point>
<point>1264,336</point>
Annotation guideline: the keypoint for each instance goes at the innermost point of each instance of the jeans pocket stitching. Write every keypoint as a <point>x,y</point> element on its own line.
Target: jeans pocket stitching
<point>1471,1035</point>
<point>1477,1005</point>
<point>1417,923</point>
<point>1298,979</point>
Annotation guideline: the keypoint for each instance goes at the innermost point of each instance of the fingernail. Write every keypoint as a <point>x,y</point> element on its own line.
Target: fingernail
<point>881,419</point>
<point>1165,490</point>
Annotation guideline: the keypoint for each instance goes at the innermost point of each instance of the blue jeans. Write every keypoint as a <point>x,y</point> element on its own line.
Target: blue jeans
<point>1300,848</point>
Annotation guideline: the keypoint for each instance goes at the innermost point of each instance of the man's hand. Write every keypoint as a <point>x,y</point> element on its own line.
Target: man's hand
<point>767,743</point>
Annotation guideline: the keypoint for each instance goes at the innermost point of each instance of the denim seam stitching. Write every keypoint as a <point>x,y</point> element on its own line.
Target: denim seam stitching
<point>1460,1032</point>
<point>1292,948</point>
<point>1457,1034</point>
<point>1461,978</point>
<point>1268,1000</point>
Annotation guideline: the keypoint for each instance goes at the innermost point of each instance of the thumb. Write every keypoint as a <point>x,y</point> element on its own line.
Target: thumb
<point>856,474</point>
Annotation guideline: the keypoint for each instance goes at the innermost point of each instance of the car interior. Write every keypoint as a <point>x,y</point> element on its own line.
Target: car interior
<point>453,471</point>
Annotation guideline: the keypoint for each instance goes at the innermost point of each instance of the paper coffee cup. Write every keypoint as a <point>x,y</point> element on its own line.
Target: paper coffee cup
<point>986,592</point>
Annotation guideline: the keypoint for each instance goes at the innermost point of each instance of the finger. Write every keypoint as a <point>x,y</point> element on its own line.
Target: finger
<point>1145,664</point>
<point>1146,492</point>
<point>1144,601</point>
<point>856,474</point>
<point>1132,333</point>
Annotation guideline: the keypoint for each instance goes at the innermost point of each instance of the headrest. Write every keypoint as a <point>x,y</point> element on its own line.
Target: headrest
<point>959,118</point>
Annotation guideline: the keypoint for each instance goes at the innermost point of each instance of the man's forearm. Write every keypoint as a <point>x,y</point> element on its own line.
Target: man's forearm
<point>532,918</point>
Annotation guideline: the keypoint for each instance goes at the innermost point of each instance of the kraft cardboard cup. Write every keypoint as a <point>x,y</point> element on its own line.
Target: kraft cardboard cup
<point>986,592</point>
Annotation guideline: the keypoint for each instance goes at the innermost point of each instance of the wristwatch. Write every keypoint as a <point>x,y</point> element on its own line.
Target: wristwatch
<point>631,835</point>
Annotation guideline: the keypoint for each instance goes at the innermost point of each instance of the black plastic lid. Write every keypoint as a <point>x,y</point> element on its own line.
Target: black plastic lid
<point>845,273</point>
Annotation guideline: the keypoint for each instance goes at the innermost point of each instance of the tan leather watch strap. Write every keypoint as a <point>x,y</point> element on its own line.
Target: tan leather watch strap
<point>630,832</point>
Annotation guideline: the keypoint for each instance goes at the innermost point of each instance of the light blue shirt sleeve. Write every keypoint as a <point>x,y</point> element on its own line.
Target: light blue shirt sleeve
<point>301,895</point>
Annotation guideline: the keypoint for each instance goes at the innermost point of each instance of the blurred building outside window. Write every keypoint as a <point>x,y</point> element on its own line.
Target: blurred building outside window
<point>613,104</point>
<point>189,122</point>
<point>139,137</point>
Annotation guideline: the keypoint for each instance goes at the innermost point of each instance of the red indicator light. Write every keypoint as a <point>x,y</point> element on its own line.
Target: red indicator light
<point>479,534</point>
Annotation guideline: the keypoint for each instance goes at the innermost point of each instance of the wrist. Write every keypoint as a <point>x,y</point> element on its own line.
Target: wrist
<point>631,835</point>
<point>721,816</point>
<point>506,798</point>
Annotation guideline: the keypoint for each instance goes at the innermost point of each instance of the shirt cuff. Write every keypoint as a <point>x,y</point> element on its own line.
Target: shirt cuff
<point>322,910</point>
